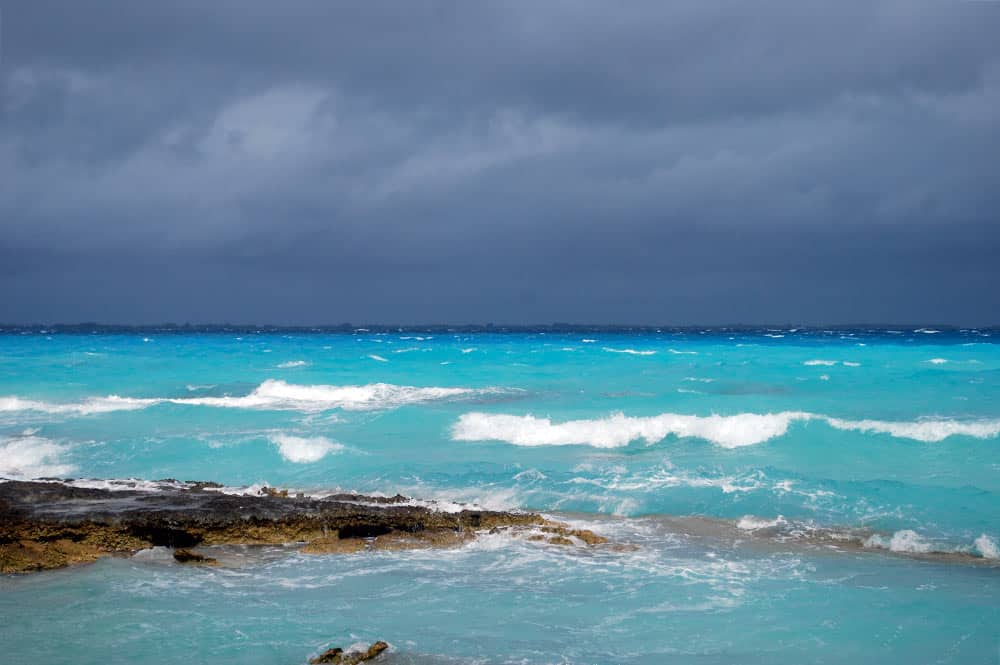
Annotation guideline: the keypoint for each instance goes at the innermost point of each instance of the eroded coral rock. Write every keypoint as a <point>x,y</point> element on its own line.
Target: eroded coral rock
<point>50,524</point>
<point>187,556</point>
<point>337,656</point>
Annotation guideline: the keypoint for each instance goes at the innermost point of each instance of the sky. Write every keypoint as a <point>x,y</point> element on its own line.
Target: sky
<point>662,162</point>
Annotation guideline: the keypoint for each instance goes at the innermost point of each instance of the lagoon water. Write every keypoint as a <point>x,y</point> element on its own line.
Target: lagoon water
<point>795,495</point>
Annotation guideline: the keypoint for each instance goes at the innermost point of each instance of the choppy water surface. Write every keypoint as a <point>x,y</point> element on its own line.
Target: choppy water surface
<point>796,495</point>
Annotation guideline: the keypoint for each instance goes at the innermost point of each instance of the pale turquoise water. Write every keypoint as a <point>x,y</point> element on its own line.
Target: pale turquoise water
<point>890,431</point>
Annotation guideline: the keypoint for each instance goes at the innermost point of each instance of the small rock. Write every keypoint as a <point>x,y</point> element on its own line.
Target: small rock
<point>336,655</point>
<point>187,556</point>
<point>329,656</point>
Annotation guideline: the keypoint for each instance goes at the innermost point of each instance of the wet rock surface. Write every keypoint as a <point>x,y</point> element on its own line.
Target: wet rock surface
<point>338,656</point>
<point>47,525</point>
<point>187,556</point>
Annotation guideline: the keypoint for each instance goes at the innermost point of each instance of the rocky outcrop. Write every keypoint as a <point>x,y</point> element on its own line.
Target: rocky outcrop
<point>336,655</point>
<point>47,525</point>
<point>187,556</point>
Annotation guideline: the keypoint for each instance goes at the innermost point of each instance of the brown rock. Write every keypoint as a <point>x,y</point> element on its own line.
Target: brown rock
<point>48,524</point>
<point>187,556</point>
<point>329,656</point>
<point>587,536</point>
<point>336,655</point>
<point>373,651</point>
<point>334,545</point>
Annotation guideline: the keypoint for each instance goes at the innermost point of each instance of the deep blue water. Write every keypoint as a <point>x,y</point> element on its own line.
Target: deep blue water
<point>893,434</point>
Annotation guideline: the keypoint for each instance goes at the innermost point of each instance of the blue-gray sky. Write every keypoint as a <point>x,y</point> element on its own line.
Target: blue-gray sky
<point>663,162</point>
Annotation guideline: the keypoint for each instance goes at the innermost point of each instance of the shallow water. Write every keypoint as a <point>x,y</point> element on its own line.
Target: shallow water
<point>892,434</point>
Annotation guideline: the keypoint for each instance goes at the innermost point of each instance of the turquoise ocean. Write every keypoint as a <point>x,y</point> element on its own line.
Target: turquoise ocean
<point>736,460</point>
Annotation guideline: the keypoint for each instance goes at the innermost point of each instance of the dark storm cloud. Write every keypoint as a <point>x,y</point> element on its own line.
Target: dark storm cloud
<point>656,162</point>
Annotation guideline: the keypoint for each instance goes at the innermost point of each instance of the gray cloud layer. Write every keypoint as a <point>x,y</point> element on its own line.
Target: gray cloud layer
<point>681,162</point>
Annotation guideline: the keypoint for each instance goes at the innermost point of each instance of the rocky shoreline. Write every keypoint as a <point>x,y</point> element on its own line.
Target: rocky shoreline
<point>46,525</point>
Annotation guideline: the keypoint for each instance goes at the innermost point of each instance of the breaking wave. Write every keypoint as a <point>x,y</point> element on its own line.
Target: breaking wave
<point>30,456</point>
<point>619,430</point>
<point>88,406</point>
<point>631,352</point>
<point>302,450</point>
<point>744,429</point>
<point>271,394</point>
<point>920,430</point>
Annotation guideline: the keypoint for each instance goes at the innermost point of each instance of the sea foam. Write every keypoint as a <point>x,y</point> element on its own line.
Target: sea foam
<point>618,430</point>
<point>303,450</point>
<point>271,394</point>
<point>31,456</point>
<point>743,429</point>
<point>920,430</point>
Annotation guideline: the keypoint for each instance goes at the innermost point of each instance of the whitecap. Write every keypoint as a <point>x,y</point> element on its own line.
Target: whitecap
<point>31,456</point>
<point>89,406</point>
<point>292,363</point>
<point>631,352</point>
<point>302,450</point>
<point>378,358</point>
<point>743,429</point>
<point>279,395</point>
<point>986,547</point>
<point>682,353</point>
<point>271,394</point>
<point>921,430</point>
<point>750,523</point>
<point>618,430</point>
<point>907,540</point>
<point>824,363</point>
<point>938,361</point>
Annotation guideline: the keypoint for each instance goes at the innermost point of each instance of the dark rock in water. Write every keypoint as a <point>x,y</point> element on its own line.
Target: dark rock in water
<point>187,556</point>
<point>334,655</point>
<point>47,525</point>
<point>373,651</point>
<point>337,655</point>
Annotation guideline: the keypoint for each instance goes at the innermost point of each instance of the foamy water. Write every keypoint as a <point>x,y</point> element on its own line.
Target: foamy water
<point>835,493</point>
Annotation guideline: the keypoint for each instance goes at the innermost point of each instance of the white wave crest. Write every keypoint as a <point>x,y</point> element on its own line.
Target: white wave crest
<point>743,429</point>
<point>303,450</point>
<point>901,541</point>
<point>88,406</point>
<point>378,358</point>
<point>618,430</point>
<point>921,430</point>
<point>292,363</point>
<point>30,456</point>
<point>824,363</point>
<point>279,395</point>
<point>271,394</point>
<point>682,353</point>
<point>987,547</point>
<point>938,361</point>
<point>750,523</point>
<point>631,352</point>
